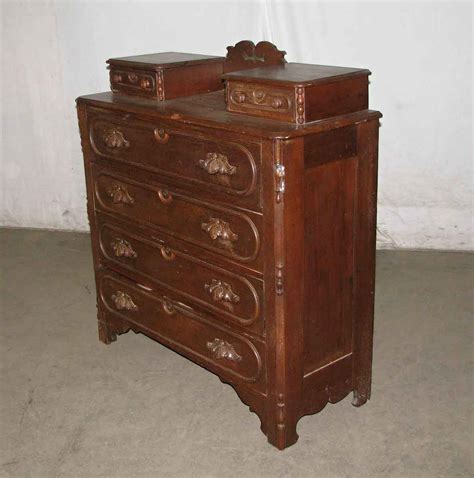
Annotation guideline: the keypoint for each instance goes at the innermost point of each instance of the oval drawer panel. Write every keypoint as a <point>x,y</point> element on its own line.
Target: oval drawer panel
<point>222,292</point>
<point>228,232</point>
<point>175,324</point>
<point>223,166</point>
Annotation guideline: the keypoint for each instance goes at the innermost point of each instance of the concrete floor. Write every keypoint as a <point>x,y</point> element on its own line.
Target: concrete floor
<point>73,407</point>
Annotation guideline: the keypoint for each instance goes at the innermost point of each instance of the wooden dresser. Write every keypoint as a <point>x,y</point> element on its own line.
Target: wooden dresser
<point>232,207</point>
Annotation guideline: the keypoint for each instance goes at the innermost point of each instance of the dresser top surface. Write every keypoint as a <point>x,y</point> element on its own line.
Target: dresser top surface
<point>159,61</point>
<point>296,74</point>
<point>209,110</point>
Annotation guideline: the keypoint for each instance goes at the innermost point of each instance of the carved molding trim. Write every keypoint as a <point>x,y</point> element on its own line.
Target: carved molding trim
<point>223,350</point>
<point>161,88</point>
<point>279,279</point>
<point>222,292</point>
<point>300,105</point>
<point>281,413</point>
<point>124,302</point>
<point>114,138</point>
<point>219,229</point>
<point>123,248</point>
<point>216,163</point>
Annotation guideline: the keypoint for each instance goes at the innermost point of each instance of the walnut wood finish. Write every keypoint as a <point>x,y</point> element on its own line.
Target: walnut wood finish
<point>246,55</point>
<point>245,244</point>
<point>296,92</point>
<point>162,76</point>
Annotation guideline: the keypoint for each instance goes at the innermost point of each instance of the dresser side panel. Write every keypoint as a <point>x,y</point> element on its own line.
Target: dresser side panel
<point>328,270</point>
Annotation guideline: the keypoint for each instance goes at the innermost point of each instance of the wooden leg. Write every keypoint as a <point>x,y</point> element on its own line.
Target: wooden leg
<point>281,426</point>
<point>106,334</point>
<point>282,435</point>
<point>362,391</point>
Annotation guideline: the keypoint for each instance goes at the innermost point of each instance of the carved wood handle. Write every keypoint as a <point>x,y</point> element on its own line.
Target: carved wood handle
<point>114,139</point>
<point>165,196</point>
<point>123,248</point>
<point>219,229</point>
<point>167,253</point>
<point>120,194</point>
<point>223,350</point>
<point>168,306</point>
<point>124,302</point>
<point>161,136</point>
<point>222,292</point>
<point>216,163</point>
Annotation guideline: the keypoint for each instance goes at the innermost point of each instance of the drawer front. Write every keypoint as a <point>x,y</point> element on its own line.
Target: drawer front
<point>230,296</point>
<point>176,325</point>
<point>218,229</point>
<point>221,169</point>
<point>259,100</point>
<point>134,82</point>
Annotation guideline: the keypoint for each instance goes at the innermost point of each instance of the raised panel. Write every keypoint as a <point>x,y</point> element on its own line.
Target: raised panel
<point>176,324</point>
<point>222,230</point>
<point>329,261</point>
<point>226,169</point>
<point>232,297</point>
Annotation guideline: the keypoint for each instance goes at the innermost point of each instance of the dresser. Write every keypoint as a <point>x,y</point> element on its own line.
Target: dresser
<point>232,208</point>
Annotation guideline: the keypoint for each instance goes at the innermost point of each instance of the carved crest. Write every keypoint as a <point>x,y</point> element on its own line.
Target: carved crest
<point>246,55</point>
<point>216,163</point>
<point>223,350</point>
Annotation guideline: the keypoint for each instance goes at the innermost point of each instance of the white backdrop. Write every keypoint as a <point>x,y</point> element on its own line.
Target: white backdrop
<point>420,54</point>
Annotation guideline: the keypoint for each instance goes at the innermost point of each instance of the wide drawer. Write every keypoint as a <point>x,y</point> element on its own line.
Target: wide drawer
<point>231,233</point>
<point>221,168</point>
<point>175,324</point>
<point>231,297</point>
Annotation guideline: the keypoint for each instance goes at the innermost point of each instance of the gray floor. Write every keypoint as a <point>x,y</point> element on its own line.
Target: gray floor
<point>73,407</point>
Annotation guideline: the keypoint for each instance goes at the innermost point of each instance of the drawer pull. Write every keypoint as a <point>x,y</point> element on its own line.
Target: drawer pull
<point>167,253</point>
<point>144,83</point>
<point>114,139</point>
<point>216,163</point>
<point>165,196</point>
<point>238,96</point>
<point>120,194</point>
<point>168,306</point>
<point>223,350</point>
<point>123,248</point>
<point>222,292</point>
<point>161,136</point>
<point>124,302</point>
<point>219,229</point>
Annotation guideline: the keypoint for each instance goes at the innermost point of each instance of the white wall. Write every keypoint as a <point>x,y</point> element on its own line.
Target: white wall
<point>420,54</point>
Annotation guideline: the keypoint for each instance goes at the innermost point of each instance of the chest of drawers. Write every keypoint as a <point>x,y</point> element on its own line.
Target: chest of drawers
<point>245,244</point>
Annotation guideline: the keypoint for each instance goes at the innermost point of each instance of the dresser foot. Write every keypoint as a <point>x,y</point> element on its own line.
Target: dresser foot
<point>359,399</point>
<point>282,435</point>
<point>106,335</point>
